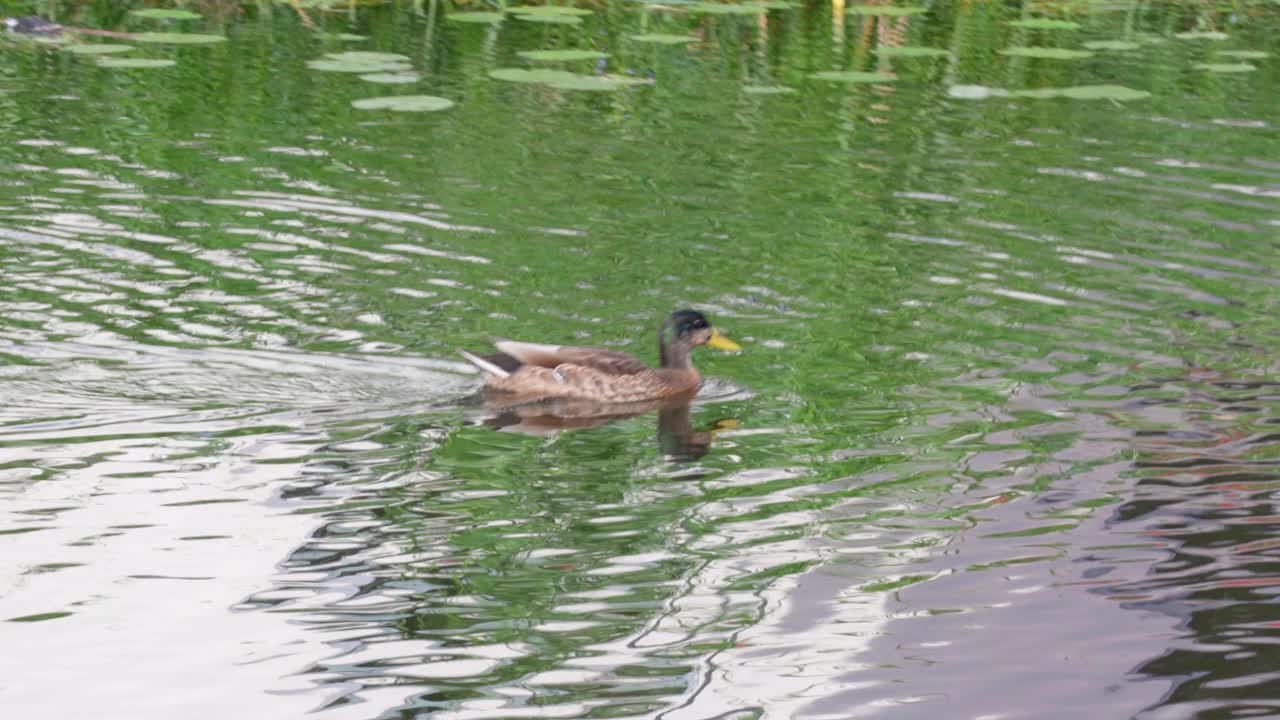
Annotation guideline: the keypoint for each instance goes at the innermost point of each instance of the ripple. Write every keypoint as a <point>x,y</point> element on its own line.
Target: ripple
<point>1004,416</point>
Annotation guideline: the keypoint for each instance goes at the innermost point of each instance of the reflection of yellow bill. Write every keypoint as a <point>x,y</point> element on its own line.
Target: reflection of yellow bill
<point>721,342</point>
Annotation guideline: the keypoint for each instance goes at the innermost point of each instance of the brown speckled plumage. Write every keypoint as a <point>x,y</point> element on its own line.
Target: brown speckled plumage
<point>530,372</point>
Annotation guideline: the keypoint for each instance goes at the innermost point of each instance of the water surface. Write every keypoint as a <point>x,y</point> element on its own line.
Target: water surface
<point>1002,441</point>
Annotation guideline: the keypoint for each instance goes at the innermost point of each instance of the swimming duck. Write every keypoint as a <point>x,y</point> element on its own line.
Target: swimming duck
<point>533,372</point>
<point>31,25</point>
<point>36,25</point>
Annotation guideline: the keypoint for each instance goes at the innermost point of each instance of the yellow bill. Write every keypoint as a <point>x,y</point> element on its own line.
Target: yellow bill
<point>721,342</point>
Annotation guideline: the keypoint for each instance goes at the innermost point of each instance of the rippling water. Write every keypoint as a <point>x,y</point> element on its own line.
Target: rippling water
<point>1003,441</point>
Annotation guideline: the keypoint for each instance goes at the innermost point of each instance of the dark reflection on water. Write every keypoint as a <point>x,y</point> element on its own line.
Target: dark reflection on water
<point>677,437</point>
<point>1174,546</point>
<point>1003,442</point>
<point>1207,493</point>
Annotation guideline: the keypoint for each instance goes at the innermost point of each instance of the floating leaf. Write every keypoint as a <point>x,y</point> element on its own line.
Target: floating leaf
<point>1244,54</point>
<point>597,83</point>
<point>404,103</point>
<point>398,78</point>
<point>975,92</point>
<point>768,90</point>
<point>1202,35</point>
<point>1046,53</point>
<point>475,17</point>
<point>1045,24</point>
<point>97,49</point>
<point>1226,67</point>
<point>522,75</point>
<point>549,18</point>
<point>711,8</point>
<point>362,56</point>
<point>1038,93</point>
<point>179,38</point>
<point>363,68</point>
<point>163,14</point>
<point>909,51</point>
<point>549,10</point>
<point>884,10</point>
<point>1112,45</point>
<point>562,55</point>
<point>853,76</point>
<point>1086,92</point>
<point>138,63</point>
<point>665,39</point>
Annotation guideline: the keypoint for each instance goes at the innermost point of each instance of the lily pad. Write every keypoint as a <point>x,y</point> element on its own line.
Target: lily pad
<point>1045,24</point>
<point>362,56</point>
<point>1202,35</point>
<point>1046,53</point>
<point>768,90</point>
<point>404,103</point>
<point>179,38</point>
<point>165,14</point>
<point>134,63</point>
<point>363,68</point>
<point>486,18</point>
<point>1226,67</point>
<point>562,55</point>
<point>1243,54</point>
<point>550,19</point>
<point>396,78</point>
<point>97,49</point>
<point>665,39</point>
<point>521,75</point>
<point>975,92</point>
<point>884,10</point>
<point>1038,93</point>
<point>549,10</point>
<point>1104,92</point>
<point>1086,92</point>
<point>597,83</point>
<point>712,8</point>
<point>1112,45</point>
<point>910,51</point>
<point>853,76</point>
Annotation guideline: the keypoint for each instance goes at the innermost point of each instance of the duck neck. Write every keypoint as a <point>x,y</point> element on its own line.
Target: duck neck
<point>673,355</point>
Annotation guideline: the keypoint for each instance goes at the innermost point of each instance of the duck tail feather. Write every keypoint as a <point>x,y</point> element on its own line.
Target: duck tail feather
<point>485,365</point>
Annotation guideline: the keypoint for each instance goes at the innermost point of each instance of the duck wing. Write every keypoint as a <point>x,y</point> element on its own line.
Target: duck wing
<point>599,360</point>
<point>569,380</point>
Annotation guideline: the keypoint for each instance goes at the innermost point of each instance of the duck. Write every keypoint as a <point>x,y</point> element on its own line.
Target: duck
<point>31,25</point>
<point>36,25</point>
<point>527,372</point>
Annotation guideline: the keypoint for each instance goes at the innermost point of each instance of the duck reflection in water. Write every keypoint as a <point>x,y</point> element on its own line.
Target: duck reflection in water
<point>542,389</point>
<point>677,437</point>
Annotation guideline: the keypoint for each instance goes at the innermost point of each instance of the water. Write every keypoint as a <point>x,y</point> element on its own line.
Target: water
<point>1002,441</point>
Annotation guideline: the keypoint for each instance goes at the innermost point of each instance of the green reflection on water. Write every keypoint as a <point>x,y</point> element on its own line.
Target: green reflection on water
<point>917,279</point>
